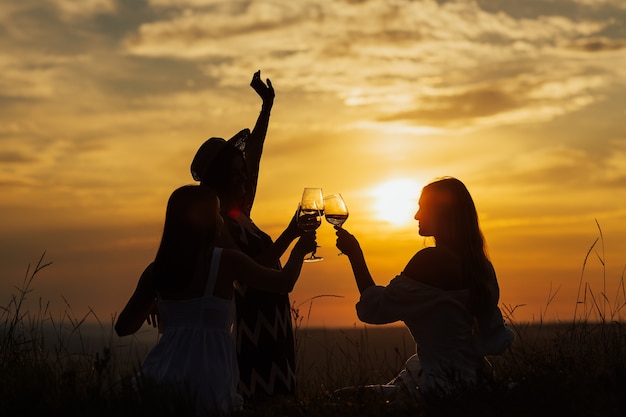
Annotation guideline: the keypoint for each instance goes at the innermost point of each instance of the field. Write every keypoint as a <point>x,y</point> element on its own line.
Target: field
<point>73,367</point>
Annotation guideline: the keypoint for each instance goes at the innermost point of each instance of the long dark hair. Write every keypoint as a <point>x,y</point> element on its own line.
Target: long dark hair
<point>190,227</point>
<point>458,229</point>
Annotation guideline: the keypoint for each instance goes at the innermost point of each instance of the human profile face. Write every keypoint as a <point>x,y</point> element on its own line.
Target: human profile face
<point>425,216</point>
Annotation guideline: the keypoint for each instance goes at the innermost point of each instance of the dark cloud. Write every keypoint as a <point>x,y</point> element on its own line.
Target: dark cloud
<point>467,105</point>
<point>610,12</point>
<point>45,27</point>
<point>534,9</point>
<point>598,45</point>
<point>132,77</point>
<point>38,27</point>
<point>15,183</point>
<point>13,157</point>
<point>85,54</point>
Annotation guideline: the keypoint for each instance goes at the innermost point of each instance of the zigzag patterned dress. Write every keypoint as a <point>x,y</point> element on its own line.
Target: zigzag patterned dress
<point>265,340</point>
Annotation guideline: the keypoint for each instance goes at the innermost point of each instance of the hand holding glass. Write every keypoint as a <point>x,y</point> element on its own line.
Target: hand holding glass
<point>335,210</point>
<point>309,218</point>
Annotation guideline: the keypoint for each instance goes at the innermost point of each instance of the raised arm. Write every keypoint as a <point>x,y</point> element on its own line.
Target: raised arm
<point>348,244</point>
<point>254,144</point>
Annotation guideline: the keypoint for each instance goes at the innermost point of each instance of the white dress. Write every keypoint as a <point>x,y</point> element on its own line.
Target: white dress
<point>196,353</point>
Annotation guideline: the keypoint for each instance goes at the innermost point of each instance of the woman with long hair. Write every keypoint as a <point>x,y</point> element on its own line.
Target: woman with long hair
<point>447,295</point>
<point>265,339</point>
<point>266,355</point>
<point>193,283</point>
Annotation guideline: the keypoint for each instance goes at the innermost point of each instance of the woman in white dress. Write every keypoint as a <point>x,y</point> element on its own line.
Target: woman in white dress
<point>193,283</point>
<point>447,295</point>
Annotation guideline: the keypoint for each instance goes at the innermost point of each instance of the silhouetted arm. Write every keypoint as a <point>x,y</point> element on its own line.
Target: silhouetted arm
<point>271,256</point>
<point>254,144</point>
<point>249,272</point>
<point>348,244</point>
<point>140,305</point>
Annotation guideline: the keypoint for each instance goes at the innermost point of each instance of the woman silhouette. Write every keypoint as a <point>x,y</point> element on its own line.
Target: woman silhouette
<point>265,341</point>
<point>193,283</point>
<point>447,295</point>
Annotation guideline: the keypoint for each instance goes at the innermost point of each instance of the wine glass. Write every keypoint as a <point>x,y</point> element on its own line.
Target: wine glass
<point>335,210</point>
<point>309,218</point>
<point>314,194</point>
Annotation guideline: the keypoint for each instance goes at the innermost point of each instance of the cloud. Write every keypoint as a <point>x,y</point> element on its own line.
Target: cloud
<point>466,105</point>
<point>526,98</point>
<point>615,169</point>
<point>598,44</point>
<point>27,77</point>
<point>422,68</point>
<point>14,183</point>
<point>212,31</point>
<point>618,4</point>
<point>103,103</point>
<point>71,9</point>
<point>561,169</point>
<point>12,157</point>
<point>378,54</point>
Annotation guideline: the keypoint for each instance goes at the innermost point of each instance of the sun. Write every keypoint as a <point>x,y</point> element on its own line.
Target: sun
<point>396,201</point>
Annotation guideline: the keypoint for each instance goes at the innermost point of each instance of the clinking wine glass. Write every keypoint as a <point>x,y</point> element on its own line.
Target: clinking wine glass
<point>335,210</point>
<point>314,194</point>
<point>309,218</point>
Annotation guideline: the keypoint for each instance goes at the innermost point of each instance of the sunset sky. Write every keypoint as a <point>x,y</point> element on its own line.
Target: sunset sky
<point>103,104</point>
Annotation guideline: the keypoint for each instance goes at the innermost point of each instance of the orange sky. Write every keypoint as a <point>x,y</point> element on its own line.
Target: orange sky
<point>103,104</point>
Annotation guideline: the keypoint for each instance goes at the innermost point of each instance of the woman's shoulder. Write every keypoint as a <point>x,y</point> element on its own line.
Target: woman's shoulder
<point>436,254</point>
<point>436,266</point>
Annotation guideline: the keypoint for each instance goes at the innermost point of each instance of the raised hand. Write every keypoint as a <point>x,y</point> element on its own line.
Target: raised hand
<point>153,318</point>
<point>306,243</point>
<point>346,242</point>
<point>266,92</point>
<point>293,230</point>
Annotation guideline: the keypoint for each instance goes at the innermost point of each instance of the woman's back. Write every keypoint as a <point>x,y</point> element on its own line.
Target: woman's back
<point>197,349</point>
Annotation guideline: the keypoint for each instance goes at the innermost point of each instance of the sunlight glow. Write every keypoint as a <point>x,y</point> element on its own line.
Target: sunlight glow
<point>396,201</point>
<point>397,129</point>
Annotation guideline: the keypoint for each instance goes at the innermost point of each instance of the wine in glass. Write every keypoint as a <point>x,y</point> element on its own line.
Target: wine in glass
<point>309,218</point>
<point>335,210</point>
<point>314,194</point>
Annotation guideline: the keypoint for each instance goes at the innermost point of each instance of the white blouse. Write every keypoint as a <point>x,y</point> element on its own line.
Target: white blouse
<point>449,348</point>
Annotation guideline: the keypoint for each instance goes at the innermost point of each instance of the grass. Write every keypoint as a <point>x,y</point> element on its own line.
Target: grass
<point>46,365</point>
<point>49,367</point>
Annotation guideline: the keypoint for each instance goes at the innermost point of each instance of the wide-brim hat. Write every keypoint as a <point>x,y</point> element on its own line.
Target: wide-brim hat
<point>209,151</point>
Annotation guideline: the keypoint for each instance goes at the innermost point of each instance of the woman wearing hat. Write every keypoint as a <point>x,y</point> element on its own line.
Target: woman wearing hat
<point>265,342</point>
